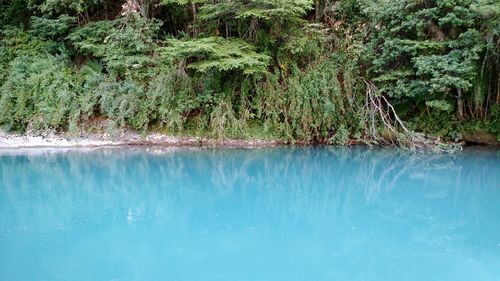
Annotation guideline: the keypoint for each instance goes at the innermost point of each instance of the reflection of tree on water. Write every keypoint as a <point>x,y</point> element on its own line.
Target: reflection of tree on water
<point>381,173</point>
<point>301,173</point>
<point>313,187</point>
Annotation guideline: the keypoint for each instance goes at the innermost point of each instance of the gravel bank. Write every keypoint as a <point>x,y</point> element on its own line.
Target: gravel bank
<point>9,140</point>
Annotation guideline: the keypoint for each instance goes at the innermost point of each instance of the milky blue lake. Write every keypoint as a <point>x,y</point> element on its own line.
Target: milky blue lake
<point>307,213</point>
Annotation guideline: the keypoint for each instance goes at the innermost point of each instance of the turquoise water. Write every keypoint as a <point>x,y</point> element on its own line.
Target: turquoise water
<point>249,214</point>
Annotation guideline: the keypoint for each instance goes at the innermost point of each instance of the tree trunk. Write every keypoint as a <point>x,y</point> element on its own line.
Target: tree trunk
<point>193,10</point>
<point>141,7</point>
<point>498,88</point>
<point>460,105</point>
<point>195,17</point>
<point>318,10</point>
<point>106,15</point>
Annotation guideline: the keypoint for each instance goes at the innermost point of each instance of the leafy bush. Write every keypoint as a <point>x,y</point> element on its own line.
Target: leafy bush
<point>314,105</point>
<point>171,98</point>
<point>291,69</point>
<point>37,91</point>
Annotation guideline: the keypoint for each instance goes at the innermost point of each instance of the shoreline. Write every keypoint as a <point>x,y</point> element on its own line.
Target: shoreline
<point>131,138</point>
<point>13,141</point>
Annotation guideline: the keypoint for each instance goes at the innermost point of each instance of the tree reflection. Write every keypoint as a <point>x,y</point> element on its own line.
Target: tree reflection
<point>245,187</point>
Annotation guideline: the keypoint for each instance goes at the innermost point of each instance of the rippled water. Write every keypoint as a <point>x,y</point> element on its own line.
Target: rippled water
<point>249,214</point>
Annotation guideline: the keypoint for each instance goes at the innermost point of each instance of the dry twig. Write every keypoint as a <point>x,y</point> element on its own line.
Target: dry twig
<point>379,109</point>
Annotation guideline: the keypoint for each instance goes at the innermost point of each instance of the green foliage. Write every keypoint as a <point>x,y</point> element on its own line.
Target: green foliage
<point>14,12</point>
<point>288,69</point>
<point>16,42</point>
<point>125,45</point>
<point>39,92</point>
<point>90,39</point>
<point>171,98</point>
<point>51,28</point>
<point>122,102</point>
<point>493,124</point>
<point>437,60</point>
<point>223,119</point>
<point>425,50</point>
<point>216,53</point>
<point>315,104</point>
<point>61,6</point>
<point>440,105</point>
<point>268,10</point>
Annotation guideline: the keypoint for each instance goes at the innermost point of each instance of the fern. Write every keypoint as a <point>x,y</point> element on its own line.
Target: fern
<point>216,53</point>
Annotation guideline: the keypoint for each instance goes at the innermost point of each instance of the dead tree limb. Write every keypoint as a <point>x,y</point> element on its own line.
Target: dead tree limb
<point>379,110</point>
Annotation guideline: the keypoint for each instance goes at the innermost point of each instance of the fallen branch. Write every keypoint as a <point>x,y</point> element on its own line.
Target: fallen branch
<point>379,109</point>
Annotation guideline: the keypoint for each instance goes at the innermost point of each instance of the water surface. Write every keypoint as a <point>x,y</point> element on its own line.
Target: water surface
<point>249,214</point>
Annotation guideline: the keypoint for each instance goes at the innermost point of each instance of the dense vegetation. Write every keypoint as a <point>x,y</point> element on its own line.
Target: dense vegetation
<point>296,70</point>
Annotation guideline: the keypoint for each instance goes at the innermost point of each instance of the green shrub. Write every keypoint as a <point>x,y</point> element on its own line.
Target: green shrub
<point>38,91</point>
<point>312,106</point>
